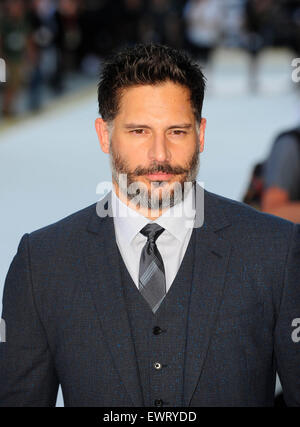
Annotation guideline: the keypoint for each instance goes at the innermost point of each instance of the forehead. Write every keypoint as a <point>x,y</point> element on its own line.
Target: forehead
<point>155,102</point>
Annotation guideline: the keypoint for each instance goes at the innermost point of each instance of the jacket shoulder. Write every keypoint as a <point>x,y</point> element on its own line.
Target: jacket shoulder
<point>239,213</point>
<point>71,224</point>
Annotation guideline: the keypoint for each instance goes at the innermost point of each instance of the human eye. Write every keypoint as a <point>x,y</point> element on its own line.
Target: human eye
<point>178,132</point>
<point>137,131</point>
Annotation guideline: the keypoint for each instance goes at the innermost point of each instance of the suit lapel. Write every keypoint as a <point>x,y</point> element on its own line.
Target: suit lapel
<point>105,284</point>
<point>211,260</point>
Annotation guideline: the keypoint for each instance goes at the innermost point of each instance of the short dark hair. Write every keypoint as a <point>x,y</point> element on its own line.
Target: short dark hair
<point>148,65</point>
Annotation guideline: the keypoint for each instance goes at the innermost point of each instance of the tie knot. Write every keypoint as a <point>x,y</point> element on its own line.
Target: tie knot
<point>152,231</point>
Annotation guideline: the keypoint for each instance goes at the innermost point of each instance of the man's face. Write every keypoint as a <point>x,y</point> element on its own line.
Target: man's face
<point>155,141</point>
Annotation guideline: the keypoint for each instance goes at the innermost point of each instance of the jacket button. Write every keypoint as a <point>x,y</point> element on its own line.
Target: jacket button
<point>157,330</point>
<point>158,402</point>
<point>157,365</point>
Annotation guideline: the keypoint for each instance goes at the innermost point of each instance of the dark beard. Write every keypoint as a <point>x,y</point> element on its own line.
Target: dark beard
<point>149,199</point>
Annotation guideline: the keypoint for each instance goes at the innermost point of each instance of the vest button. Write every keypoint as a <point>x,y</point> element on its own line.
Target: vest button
<point>158,402</point>
<point>157,330</point>
<point>157,365</point>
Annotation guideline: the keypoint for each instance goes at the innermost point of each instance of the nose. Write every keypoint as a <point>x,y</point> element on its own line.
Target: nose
<point>159,151</point>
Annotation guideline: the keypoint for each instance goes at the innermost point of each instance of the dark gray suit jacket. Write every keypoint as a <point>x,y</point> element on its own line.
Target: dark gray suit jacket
<point>66,320</point>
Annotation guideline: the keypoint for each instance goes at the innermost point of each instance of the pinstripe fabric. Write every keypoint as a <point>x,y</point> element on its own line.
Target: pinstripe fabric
<point>152,281</point>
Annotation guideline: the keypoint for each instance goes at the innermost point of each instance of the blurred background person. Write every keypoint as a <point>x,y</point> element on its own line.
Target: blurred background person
<point>133,11</point>
<point>14,45</point>
<point>266,23</point>
<point>281,193</point>
<point>292,25</point>
<point>162,22</point>
<point>68,40</point>
<point>204,25</point>
<point>275,183</point>
<point>45,46</point>
<point>102,25</point>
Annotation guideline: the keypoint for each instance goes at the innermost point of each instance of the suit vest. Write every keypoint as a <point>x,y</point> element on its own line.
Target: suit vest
<point>160,339</point>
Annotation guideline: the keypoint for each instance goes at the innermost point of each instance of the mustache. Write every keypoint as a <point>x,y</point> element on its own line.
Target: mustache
<point>177,170</point>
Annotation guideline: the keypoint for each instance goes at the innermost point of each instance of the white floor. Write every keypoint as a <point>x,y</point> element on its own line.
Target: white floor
<point>50,165</point>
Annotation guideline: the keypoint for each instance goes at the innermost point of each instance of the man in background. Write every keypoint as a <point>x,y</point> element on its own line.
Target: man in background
<point>281,194</point>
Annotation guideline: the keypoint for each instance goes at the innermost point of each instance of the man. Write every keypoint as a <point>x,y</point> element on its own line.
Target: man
<point>137,303</point>
<point>281,195</point>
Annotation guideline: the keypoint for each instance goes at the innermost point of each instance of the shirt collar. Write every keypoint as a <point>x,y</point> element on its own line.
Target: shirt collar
<point>177,220</point>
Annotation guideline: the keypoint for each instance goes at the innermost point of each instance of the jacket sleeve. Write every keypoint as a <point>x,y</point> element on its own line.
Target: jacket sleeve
<point>287,338</point>
<point>27,374</point>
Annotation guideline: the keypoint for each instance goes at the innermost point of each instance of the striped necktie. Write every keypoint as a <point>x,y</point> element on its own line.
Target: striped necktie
<point>152,281</point>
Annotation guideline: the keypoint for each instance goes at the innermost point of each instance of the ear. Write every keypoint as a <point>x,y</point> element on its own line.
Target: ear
<point>202,134</point>
<point>103,135</point>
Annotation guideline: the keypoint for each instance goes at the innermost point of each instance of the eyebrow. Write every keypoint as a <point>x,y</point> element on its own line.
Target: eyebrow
<point>181,126</point>
<point>136,125</point>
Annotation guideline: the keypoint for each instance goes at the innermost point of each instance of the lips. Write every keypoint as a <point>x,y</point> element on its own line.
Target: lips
<point>160,176</point>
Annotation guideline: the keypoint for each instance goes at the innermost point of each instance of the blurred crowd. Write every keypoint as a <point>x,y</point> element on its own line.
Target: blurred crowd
<point>42,41</point>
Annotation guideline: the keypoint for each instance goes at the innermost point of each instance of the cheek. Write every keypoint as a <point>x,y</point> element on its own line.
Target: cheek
<point>132,155</point>
<point>133,152</point>
<point>182,154</point>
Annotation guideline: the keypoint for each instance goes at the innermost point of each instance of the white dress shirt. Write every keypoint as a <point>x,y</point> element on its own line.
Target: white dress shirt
<point>178,223</point>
